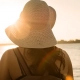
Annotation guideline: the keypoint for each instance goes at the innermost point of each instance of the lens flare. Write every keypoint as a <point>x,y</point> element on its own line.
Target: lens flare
<point>69,78</point>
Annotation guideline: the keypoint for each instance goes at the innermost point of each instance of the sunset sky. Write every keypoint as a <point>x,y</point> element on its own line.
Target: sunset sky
<point>67,24</point>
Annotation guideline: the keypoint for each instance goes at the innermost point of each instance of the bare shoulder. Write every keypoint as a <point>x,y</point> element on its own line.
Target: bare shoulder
<point>66,55</point>
<point>8,54</point>
<point>68,64</point>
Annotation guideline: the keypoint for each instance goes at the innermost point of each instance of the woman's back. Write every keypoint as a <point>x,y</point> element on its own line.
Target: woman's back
<point>38,60</point>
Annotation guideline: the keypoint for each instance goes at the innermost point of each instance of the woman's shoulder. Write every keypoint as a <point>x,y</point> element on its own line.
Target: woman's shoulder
<point>64,52</point>
<point>65,55</point>
<point>8,53</point>
<point>68,63</point>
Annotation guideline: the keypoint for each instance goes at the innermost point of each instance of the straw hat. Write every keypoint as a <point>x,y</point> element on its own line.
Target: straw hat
<point>33,28</point>
<point>52,16</point>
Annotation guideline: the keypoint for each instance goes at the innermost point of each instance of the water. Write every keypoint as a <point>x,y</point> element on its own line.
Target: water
<point>73,51</point>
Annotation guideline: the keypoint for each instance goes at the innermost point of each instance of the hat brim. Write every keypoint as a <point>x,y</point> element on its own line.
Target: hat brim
<point>31,38</point>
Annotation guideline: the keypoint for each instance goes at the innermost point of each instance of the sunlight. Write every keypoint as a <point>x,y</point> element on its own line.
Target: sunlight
<point>8,15</point>
<point>66,26</point>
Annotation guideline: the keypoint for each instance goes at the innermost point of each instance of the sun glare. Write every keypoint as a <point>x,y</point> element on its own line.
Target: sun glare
<point>8,15</point>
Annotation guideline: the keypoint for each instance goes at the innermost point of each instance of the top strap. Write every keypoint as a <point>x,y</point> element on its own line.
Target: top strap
<point>22,62</point>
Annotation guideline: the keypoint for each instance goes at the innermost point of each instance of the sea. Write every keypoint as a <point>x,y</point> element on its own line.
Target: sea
<point>72,49</point>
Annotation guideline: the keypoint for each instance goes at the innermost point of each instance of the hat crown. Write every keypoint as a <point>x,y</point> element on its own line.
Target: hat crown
<point>35,12</point>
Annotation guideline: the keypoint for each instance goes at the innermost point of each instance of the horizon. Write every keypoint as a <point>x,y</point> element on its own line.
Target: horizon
<point>67,26</point>
<point>62,41</point>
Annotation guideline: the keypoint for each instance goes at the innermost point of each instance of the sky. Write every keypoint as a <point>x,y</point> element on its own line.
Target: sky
<point>67,24</point>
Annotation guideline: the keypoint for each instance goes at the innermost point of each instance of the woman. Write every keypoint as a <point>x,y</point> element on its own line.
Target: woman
<point>36,43</point>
